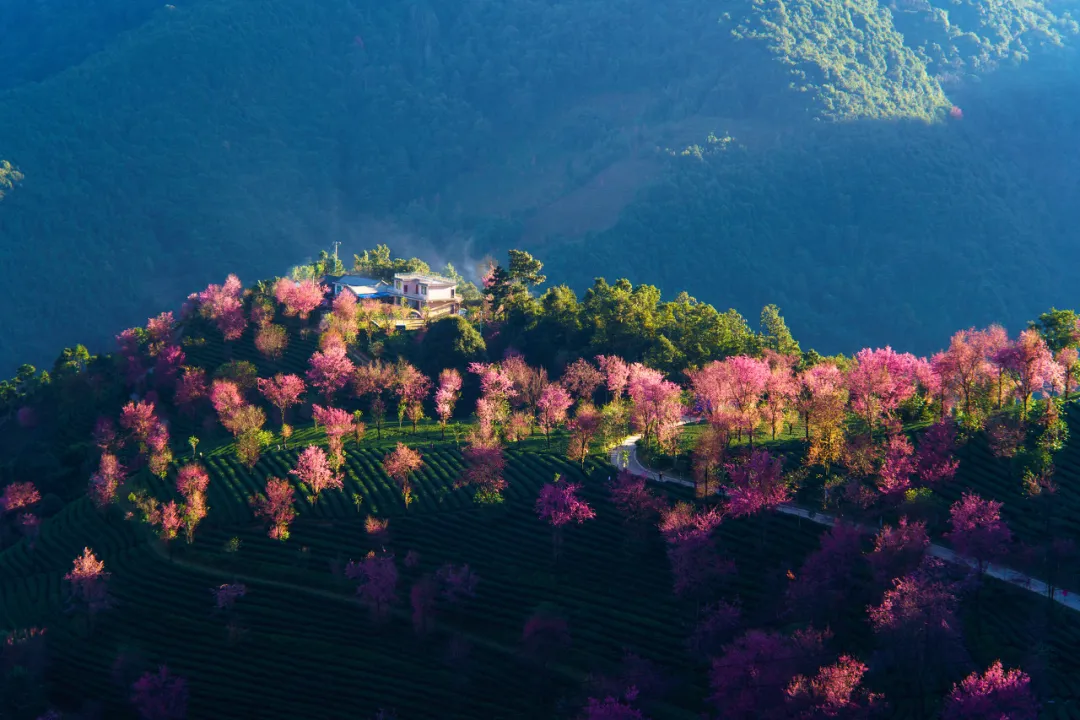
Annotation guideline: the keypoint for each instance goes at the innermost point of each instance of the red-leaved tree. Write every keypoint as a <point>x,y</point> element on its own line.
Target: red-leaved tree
<point>400,464</point>
<point>282,391</point>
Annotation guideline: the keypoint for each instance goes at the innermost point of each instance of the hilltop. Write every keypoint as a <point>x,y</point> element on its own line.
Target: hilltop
<point>281,489</point>
<point>161,142</point>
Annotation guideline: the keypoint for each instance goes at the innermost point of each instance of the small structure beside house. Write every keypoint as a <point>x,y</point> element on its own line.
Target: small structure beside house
<point>432,295</point>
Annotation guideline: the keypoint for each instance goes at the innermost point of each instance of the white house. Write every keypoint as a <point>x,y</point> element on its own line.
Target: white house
<point>438,295</point>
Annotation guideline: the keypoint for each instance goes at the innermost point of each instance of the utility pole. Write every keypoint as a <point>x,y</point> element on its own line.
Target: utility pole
<point>336,244</point>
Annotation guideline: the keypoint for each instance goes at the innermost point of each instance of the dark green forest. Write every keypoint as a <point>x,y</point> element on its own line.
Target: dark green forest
<point>159,144</point>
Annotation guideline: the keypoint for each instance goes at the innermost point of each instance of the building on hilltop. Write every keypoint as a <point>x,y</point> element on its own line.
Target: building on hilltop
<point>363,288</point>
<point>431,295</point>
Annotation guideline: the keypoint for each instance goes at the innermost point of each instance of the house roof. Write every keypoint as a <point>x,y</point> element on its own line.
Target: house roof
<point>429,279</point>
<point>354,280</point>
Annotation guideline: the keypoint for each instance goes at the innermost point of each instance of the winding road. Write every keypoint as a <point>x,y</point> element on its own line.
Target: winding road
<point>624,456</point>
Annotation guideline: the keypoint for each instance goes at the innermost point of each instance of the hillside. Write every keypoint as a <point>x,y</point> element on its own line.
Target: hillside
<point>159,143</point>
<point>206,524</point>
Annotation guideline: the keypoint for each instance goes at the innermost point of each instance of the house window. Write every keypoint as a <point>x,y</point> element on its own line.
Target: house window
<point>452,292</point>
<point>423,289</point>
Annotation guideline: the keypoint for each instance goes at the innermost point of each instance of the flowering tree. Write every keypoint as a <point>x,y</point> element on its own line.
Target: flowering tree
<point>330,368</point>
<point>897,464</point>
<point>399,464</point>
<point>88,582</point>
<point>276,506</point>
<point>19,496</point>
<point>718,626</point>
<point>190,388</point>
<point>343,318</point>
<point>160,696</point>
<point>1029,361</point>
<point>222,305</point>
<point>781,388</point>
<point>756,484</point>
<point>559,505</point>
<point>978,531</point>
<point>299,298</point>
<point>282,391</point>
<point>447,396</point>
<point>486,465</point>
<point>612,708</point>
<point>337,424</point>
<point>829,576</point>
<point>997,693</point>
<point>898,550</point>
<point>159,332</point>
<point>583,429</point>
<point>225,596</point>
<point>833,693</point>
<point>880,381</point>
<point>695,565</point>
<point>917,622</point>
<point>633,499</point>
<point>965,366</point>
<point>934,460</point>
<point>657,405</point>
<point>730,392</point>
<point>313,470</point>
<point>104,483</point>
<point>271,340</point>
<point>167,367</point>
<point>139,419</point>
<point>1068,359</point>
<point>616,374</point>
<point>553,403</point>
<point>747,681</point>
<point>581,378</point>
<point>378,577</point>
<point>374,380</point>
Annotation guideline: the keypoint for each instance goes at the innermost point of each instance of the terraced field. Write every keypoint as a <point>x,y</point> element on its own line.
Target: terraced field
<point>305,640</point>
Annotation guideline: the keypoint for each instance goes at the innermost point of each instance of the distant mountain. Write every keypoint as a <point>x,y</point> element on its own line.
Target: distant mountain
<point>162,144</point>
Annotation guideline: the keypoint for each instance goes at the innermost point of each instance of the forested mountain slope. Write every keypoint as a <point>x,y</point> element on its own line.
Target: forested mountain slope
<point>162,143</point>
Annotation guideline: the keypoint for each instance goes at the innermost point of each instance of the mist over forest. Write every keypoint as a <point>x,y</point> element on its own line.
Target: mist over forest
<point>879,170</point>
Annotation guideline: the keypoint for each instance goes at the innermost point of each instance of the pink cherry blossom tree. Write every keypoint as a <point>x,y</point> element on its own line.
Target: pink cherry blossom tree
<point>880,381</point>
<point>730,391</point>
<point>559,505</point>
<point>88,582</point>
<point>748,680</point>
<point>1068,359</point>
<point>781,387</point>
<point>313,470</point>
<point>581,378</point>
<point>897,464</point>
<point>400,464</point>
<point>105,482</point>
<point>484,472</point>
<point>19,496</point>
<point>934,460</point>
<point>828,577</point>
<point>276,506</point>
<point>898,550</point>
<point>378,577</point>
<point>330,369</point>
<point>190,388</point>
<point>337,424</point>
<point>633,499</point>
<point>657,405</point>
<point>1029,361</point>
<point>222,305</point>
<point>271,340</point>
<point>616,374</point>
<point>299,298</point>
<point>447,395</point>
<point>965,366</point>
<point>553,403</point>
<point>978,531</point>
<point>160,696</point>
<point>282,391</point>
<point>756,484</point>
<point>834,693</point>
<point>997,693</point>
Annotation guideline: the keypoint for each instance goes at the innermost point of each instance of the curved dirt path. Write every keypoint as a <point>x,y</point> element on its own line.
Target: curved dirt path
<point>624,457</point>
